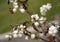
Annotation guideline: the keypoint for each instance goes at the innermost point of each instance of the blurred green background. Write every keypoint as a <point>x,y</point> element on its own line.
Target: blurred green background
<point>6,18</point>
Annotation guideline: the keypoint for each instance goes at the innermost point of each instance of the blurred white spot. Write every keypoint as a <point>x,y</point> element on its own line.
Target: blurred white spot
<point>32,36</point>
<point>26,37</point>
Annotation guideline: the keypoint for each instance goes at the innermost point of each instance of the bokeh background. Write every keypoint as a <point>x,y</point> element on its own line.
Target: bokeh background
<point>6,18</point>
